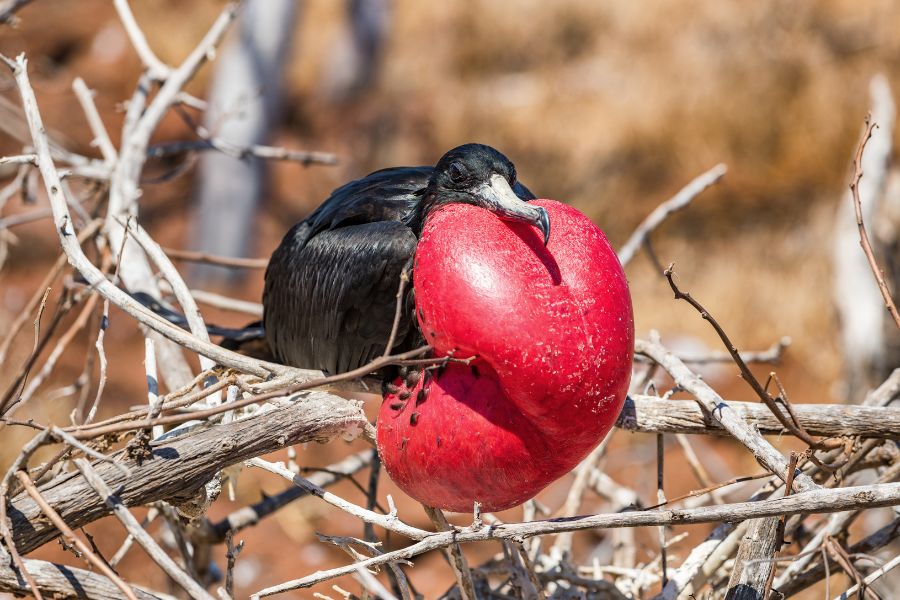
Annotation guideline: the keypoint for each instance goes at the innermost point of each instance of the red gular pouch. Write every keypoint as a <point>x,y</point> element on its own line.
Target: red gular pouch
<point>552,331</point>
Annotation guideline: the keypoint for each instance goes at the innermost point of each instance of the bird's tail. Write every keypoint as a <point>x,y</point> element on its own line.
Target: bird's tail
<point>249,340</point>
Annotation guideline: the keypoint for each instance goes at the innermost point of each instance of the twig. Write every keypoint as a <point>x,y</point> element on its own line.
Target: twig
<point>157,69</point>
<point>58,350</point>
<point>389,521</point>
<point>251,515</point>
<point>868,545</point>
<point>231,555</point>
<point>25,217</point>
<point>101,137</point>
<point>398,310</point>
<point>706,558</point>
<point>863,236</point>
<point>6,532</point>
<point>840,556</point>
<point>179,288</point>
<point>772,354</point>
<point>19,159</point>
<point>767,456</point>
<point>254,309</point>
<point>314,416</point>
<point>88,433</point>
<point>814,501</point>
<point>214,259</point>
<point>458,562</point>
<point>89,230</point>
<point>129,539</point>
<point>58,522</point>
<point>304,157</point>
<point>795,428</point>
<point>661,499</point>
<point>835,524</point>
<point>144,539</point>
<point>371,584</point>
<point>697,468</point>
<point>13,396</point>
<point>662,212</point>
<point>563,543</point>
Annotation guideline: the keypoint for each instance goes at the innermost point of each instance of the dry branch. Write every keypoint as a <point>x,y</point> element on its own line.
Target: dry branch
<point>664,210</point>
<point>807,502</point>
<point>863,236</point>
<point>62,581</point>
<point>144,539</point>
<point>250,515</point>
<point>868,545</point>
<point>70,536</point>
<point>96,278</point>
<point>650,414</point>
<point>767,455</point>
<point>180,467</point>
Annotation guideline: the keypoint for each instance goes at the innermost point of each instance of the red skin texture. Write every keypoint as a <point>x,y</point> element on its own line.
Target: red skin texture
<point>553,332</point>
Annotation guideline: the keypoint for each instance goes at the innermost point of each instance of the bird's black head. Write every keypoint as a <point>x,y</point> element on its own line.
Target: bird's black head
<point>480,175</point>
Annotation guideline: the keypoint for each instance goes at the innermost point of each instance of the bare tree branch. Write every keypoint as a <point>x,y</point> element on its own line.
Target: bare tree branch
<point>814,501</point>
<point>650,414</point>
<point>62,581</point>
<point>194,589</point>
<point>664,210</point>
<point>181,466</point>
<point>722,412</point>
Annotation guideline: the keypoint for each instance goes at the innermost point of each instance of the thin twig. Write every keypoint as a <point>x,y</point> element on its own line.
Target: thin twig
<point>155,67</point>
<point>6,533</point>
<point>57,521</point>
<point>871,577</point>
<point>89,231</point>
<point>662,212</point>
<point>231,555</point>
<point>863,236</point>
<point>215,259</point>
<point>398,311</point>
<point>661,499</point>
<point>767,455</point>
<point>389,521</point>
<point>13,396</point>
<point>88,433</point>
<point>458,562</point>
<point>101,137</point>
<point>817,500</point>
<point>767,399</point>
<point>140,535</point>
<point>251,515</point>
<point>304,157</point>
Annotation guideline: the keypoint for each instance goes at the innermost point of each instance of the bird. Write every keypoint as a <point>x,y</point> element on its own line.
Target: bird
<point>331,285</point>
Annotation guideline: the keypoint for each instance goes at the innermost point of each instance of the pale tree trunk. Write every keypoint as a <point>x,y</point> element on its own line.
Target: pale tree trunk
<point>863,318</point>
<point>244,103</point>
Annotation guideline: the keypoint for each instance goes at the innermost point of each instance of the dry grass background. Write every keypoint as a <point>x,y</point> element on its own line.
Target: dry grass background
<point>609,106</point>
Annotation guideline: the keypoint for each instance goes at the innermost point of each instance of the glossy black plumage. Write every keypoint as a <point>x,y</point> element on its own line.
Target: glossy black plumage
<point>330,290</point>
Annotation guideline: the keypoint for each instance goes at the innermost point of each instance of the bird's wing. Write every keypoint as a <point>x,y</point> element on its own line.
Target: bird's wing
<point>330,300</point>
<point>385,195</point>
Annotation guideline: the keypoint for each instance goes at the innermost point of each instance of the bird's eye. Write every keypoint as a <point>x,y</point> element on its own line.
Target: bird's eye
<point>458,172</point>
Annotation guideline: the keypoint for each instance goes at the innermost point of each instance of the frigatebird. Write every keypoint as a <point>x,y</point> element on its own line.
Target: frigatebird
<point>331,285</point>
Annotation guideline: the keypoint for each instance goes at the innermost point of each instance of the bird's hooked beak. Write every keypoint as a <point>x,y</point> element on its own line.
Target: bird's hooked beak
<point>498,197</point>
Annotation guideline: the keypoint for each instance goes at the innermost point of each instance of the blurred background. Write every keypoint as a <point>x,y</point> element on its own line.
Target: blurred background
<point>609,106</point>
